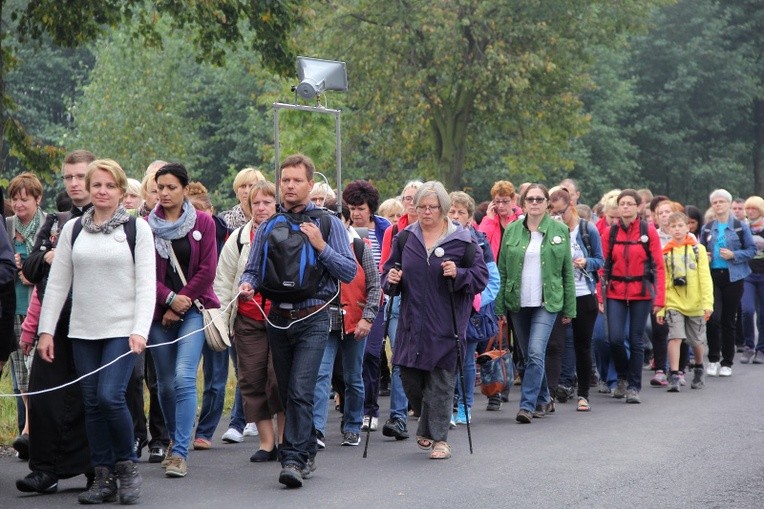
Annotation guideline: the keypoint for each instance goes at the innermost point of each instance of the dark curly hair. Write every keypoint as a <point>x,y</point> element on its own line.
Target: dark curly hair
<point>359,192</point>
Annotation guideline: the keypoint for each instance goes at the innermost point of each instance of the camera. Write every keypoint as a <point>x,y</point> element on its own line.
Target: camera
<point>680,281</point>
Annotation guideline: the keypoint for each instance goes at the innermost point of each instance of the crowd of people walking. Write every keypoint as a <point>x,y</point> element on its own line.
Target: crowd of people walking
<point>316,289</point>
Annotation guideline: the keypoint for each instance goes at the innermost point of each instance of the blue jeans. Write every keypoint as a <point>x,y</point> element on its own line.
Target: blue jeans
<point>297,353</point>
<point>532,328</point>
<point>215,377</point>
<point>176,366</point>
<point>753,304</point>
<point>469,374</point>
<point>237,410</point>
<point>628,363</point>
<point>352,364</point>
<point>568,368</point>
<point>108,422</point>
<point>399,403</point>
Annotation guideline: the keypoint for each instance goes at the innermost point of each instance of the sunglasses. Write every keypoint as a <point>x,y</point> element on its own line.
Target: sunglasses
<point>535,199</point>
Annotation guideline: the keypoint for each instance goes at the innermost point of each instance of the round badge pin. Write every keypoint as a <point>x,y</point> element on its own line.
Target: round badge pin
<point>197,235</point>
<point>439,252</point>
<point>120,236</point>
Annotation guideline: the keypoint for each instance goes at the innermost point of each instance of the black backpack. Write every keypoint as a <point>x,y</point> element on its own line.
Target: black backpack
<point>129,227</point>
<point>583,228</point>
<point>290,270</point>
<point>648,275</point>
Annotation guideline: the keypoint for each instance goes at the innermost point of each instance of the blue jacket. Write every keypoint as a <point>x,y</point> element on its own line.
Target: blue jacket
<point>425,335</point>
<point>738,266</point>
<point>594,260</point>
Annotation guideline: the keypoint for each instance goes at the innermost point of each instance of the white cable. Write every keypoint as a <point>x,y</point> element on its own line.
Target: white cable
<point>72,382</point>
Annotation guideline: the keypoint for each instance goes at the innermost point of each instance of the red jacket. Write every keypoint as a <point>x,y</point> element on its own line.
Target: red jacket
<point>629,261</point>
<point>387,241</point>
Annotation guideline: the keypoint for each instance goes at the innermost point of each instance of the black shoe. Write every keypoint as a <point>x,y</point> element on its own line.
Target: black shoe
<point>262,456</point>
<point>309,468</point>
<point>494,403</point>
<point>38,482</point>
<point>290,476</point>
<point>21,444</point>
<point>138,446</point>
<point>395,428</point>
<point>563,393</point>
<point>539,412</point>
<point>156,454</point>
<point>350,438</point>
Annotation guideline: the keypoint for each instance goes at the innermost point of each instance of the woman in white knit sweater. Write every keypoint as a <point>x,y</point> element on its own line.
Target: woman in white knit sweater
<point>106,259</point>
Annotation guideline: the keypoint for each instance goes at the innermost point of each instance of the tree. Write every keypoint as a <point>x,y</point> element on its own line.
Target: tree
<point>695,83</point>
<point>443,80</point>
<point>213,25</point>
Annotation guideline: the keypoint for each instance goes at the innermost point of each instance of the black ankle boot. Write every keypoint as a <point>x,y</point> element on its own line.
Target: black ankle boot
<point>130,482</point>
<point>103,489</point>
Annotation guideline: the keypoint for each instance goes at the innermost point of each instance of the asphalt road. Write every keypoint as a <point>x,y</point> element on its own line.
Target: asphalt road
<point>693,449</point>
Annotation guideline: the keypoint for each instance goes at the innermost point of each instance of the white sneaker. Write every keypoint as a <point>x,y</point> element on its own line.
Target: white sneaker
<point>250,430</point>
<point>233,436</point>
<point>713,369</point>
<point>725,371</point>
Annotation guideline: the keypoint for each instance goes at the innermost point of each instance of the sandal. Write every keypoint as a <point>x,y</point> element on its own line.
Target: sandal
<point>583,404</point>
<point>424,443</point>
<point>440,451</point>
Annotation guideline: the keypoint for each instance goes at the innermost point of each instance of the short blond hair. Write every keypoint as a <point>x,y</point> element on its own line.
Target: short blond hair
<point>110,166</point>
<point>755,201</point>
<point>390,207</point>
<point>246,176</point>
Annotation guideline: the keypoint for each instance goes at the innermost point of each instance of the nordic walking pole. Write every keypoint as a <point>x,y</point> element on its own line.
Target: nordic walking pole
<point>459,360</point>
<point>393,289</point>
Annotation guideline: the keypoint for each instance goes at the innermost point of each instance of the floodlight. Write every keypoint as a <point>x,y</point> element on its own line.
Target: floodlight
<point>318,75</point>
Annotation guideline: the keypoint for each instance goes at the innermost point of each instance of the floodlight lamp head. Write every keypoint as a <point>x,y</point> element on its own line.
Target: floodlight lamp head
<point>317,76</point>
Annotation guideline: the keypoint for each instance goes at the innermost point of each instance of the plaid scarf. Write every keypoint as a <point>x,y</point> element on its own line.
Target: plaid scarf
<point>120,216</point>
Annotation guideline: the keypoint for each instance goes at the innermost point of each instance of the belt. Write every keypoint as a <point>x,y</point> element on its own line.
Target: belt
<point>296,314</point>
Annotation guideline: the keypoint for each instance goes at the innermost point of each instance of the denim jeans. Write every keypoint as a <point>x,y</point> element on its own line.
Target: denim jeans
<point>532,328</point>
<point>628,365</point>
<point>297,353</point>
<point>176,366</point>
<point>215,377</point>
<point>469,374</point>
<point>399,403</point>
<point>107,420</point>
<point>352,363</point>
<point>753,304</point>
<point>237,421</point>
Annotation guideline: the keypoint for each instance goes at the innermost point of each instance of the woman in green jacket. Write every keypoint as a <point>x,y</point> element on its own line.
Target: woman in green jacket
<point>536,284</point>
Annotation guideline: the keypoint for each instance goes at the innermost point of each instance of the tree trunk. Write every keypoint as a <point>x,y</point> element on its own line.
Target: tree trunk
<point>2,92</point>
<point>758,146</point>
<point>450,125</point>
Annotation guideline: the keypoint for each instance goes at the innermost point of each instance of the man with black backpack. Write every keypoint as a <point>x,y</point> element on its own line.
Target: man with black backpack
<point>296,259</point>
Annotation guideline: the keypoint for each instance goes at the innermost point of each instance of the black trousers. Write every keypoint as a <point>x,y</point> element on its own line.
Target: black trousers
<point>58,442</point>
<point>721,326</point>
<point>583,327</point>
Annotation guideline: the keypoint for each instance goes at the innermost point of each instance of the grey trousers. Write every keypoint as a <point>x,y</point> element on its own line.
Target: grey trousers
<point>432,394</point>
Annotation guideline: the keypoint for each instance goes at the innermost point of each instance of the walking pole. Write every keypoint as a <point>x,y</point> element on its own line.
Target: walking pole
<point>393,289</point>
<point>459,360</point>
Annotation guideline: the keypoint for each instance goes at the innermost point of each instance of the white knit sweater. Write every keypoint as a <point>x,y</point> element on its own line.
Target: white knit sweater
<point>111,296</point>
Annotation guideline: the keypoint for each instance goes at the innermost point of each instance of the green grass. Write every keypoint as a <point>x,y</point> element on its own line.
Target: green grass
<point>9,430</point>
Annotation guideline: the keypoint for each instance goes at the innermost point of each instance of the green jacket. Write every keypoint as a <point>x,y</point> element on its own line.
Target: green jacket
<point>559,289</point>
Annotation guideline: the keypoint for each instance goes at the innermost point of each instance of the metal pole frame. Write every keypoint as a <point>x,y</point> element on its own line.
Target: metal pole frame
<point>338,145</point>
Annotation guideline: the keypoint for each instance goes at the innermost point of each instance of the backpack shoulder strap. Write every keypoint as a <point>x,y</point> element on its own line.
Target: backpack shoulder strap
<point>239,242</point>
<point>129,227</point>
<point>583,229</point>
<point>738,226</point>
<point>358,246</point>
<point>403,237</point>
<point>131,232</point>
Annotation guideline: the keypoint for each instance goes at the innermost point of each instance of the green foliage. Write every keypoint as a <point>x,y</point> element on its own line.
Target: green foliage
<point>444,82</point>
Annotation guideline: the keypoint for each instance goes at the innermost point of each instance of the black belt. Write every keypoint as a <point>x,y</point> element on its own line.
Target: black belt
<point>296,314</point>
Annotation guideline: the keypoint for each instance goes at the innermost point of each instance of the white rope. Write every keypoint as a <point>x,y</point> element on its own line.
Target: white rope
<point>72,382</point>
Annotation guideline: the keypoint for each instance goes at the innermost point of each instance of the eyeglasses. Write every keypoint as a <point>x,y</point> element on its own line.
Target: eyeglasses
<point>502,202</point>
<point>427,208</point>
<point>560,213</point>
<point>407,199</point>
<point>69,178</point>
<point>535,199</point>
